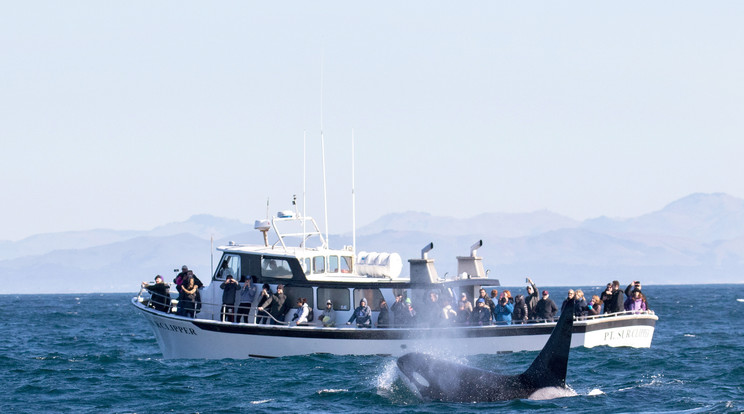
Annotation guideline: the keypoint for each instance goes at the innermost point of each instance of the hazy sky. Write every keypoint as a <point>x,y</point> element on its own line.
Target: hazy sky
<point>128,115</point>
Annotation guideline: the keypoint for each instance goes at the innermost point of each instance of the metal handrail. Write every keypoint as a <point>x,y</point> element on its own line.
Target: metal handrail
<point>174,301</point>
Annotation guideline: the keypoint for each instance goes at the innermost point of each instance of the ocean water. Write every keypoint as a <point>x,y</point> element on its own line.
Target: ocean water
<point>94,353</point>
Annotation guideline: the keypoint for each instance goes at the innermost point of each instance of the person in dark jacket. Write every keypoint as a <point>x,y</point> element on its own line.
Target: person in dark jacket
<point>581,309</point>
<point>362,314</point>
<point>383,318</point>
<point>569,298</point>
<point>159,295</point>
<point>489,303</point>
<point>531,300</point>
<point>481,314</point>
<point>264,304</point>
<point>616,301</point>
<point>604,298</point>
<point>398,309</point>
<point>520,310</point>
<point>546,308</point>
<point>279,305</point>
<point>230,288</point>
<point>187,298</point>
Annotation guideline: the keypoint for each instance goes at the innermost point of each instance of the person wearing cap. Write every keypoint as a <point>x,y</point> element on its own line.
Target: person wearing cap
<point>489,303</point>
<point>230,288</point>
<point>159,295</point>
<point>481,315</point>
<point>362,314</point>
<point>328,316</point>
<point>546,308</point>
<point>533,296</point>
<point>178,280</point>
<point>279,305</point>
<point>383,318</point>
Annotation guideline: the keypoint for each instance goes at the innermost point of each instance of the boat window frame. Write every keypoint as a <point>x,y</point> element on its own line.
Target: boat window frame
<point>373,299</point>
<point>315,262</point>
<point>322,294</point>
<point>291,293</point>
<point>331,268</point>
<point>347,264</point>
<point>235,266</point>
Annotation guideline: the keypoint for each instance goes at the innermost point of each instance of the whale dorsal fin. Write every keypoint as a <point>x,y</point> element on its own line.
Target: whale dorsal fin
<point>549,368</point>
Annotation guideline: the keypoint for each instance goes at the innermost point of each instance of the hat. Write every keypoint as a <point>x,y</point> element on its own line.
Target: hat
<point>279,287</point>
<point>328,302</point>
<point>545,292</point>
<point>481,300</point>
<point>363,300</point>
<point>158,276</point>
<point>229,277</point>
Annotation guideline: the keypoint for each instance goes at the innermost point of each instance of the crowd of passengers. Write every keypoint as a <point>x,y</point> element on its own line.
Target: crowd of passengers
<point>487,309</point>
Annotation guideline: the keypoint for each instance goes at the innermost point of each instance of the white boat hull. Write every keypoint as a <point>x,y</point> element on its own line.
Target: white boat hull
<point>180,337</point>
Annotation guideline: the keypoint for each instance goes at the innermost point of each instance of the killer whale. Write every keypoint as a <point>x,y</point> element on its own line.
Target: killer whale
<point>435,379</point>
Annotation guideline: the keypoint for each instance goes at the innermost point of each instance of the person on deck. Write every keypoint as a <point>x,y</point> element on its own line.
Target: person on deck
<point>247,293</point>
<point>187,298</point>
<point>594,306</point>
<point>546,308</point>
<point>398,309</point>
<point>302,312</point>
<point>230,288</point>
<point>635,303</point>
<point>520,310</point>
<point>481,315</point>
<point>264,304</point>
<point>531,299</point>
<point>279,306</point>
<point>383,318</point>
<point>159,294</point>
<point>362,314</point>
<point>328,316</point>
<point>504,310</point>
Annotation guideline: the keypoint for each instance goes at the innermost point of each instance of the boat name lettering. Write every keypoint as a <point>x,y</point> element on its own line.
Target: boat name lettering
<point>627,334</point>
<point>174,328</point>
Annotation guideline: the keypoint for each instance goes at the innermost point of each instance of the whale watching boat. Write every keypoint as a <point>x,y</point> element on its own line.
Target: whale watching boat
<point>344,278</point>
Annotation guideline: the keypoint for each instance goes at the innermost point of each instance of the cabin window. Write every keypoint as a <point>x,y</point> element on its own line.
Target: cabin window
<point>229,265</point>
<point>294,292</point>
<point>338,296</point>
<point>319,264</point>
<point>346,264</point>
<point>306,265</point>
<point>373,297</point>
<point>276,268</point>
<point>333,264</point>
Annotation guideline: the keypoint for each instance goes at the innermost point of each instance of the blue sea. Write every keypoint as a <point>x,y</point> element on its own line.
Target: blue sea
<point>94,353</point>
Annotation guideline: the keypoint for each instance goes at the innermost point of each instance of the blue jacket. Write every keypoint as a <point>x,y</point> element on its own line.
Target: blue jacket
<point>504,313</point>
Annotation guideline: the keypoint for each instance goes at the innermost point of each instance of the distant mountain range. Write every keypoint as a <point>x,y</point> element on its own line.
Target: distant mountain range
<point>697,239</point>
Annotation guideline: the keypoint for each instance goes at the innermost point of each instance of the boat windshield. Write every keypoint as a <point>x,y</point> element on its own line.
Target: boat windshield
<point>276,268</point>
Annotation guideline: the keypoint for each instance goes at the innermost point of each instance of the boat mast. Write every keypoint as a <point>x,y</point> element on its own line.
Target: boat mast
<point>322,150</point>
<point>353,200</point>
<point>304,180</point>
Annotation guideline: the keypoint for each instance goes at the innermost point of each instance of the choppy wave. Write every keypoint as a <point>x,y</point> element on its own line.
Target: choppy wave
<point>93,353</point>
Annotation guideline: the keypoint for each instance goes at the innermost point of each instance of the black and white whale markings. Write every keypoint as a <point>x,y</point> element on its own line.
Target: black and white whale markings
<point>434,379</point>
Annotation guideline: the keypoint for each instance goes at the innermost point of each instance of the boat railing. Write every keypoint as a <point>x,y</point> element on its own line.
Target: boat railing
<point>158,301</point>
<point>171,304</point>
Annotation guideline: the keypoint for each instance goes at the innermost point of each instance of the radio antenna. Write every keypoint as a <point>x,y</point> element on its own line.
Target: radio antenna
<point>353,199</point>
<point>322,150</point>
